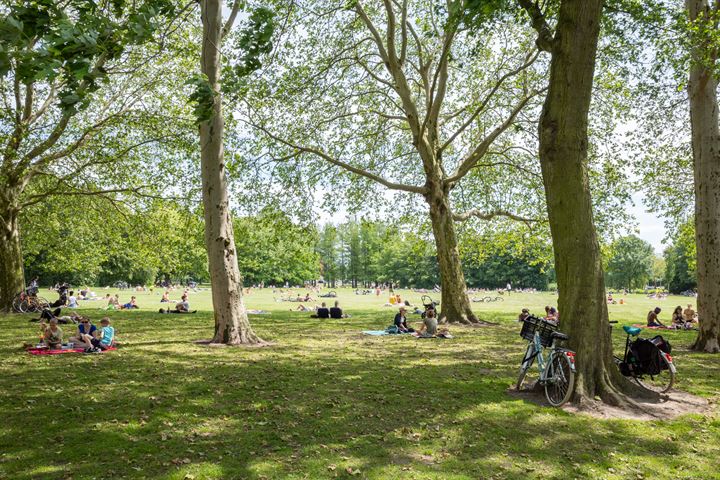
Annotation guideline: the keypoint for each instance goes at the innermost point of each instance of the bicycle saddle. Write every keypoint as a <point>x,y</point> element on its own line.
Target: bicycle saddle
<point>632,330</point>
<point>559,336</point>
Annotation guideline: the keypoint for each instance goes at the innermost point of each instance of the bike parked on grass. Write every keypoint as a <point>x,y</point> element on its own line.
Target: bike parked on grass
<point>557,369</point>
<point>25,302</point>
<point>647,361</point>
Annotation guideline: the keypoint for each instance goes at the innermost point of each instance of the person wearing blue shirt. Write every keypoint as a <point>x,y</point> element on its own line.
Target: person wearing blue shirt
<point>86,333</point>
<point>107,336</point>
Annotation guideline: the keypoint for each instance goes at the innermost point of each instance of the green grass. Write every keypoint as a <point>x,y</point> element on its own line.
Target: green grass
<point>325,401</point>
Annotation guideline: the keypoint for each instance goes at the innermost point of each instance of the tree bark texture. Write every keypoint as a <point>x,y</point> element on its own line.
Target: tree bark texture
<point>563,157</point>
<point>706,160</point>
<point>12,278</point>
<point>231,321</point>
<point>454,303</point>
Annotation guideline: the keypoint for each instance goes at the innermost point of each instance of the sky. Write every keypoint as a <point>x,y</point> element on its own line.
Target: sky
<point>651,227</point>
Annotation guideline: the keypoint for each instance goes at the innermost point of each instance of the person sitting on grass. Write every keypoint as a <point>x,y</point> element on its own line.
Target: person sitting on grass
<point>430,324</point>
<point>551,314</point>
<point>106,337</point>
<point>166,297</point>
<point>52,334</point>
<point>321,312</point>
<point>86,332</point>
<point>677,318</point>
<point>400,322</point>
<point>183,306</point>
<point>337,312</point>
<point>72,300</point>
<point>523,315</point>
<point>130,305</point>
<point>652,318</point>
<point>689,314</point>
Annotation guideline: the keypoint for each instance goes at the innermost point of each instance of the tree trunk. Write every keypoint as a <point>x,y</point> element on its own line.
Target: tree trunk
<point>563,157</point>
<point>12,278</point>
<point>454,302</point>
<point>706,160</point>
<point>231,322</point>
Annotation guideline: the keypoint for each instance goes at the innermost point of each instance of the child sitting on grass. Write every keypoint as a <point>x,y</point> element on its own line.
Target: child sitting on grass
<point>52,334</point>
<point>106,337</point>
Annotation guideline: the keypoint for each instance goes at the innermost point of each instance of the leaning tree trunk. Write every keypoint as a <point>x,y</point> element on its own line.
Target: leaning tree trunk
<point>12,278</point>
<point>706,160</point>
<point>563,157</point>
<point>231,321</point>
<point>454,302</point>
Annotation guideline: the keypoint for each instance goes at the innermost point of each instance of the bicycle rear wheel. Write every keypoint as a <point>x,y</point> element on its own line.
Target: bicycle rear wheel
<point>663,381</point>
<point>41,303</point>
<point>18,303</point>
<point>560,380</point>
<point>526,364</point>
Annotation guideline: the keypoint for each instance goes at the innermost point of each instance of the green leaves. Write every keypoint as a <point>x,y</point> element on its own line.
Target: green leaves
<point>203,98</point>
<point>254,40</point>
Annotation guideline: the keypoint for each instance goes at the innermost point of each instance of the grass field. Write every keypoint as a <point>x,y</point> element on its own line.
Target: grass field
<point>325,402</point>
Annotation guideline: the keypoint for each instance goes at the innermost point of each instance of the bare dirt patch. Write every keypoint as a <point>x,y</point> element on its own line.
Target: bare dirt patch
<point>670,405</point>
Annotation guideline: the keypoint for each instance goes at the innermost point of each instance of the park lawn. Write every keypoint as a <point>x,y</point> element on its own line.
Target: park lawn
<point>325,402</point>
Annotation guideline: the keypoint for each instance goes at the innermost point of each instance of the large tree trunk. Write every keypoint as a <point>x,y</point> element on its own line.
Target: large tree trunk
<point>12,278</point>
<point>706,160</point>
<point>563,156</point>
<point>231,322</point>
<point>454,302</point>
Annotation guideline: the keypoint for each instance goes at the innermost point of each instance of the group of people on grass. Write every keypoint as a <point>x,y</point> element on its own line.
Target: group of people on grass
<point>428,328</point>
<point>333,312</point>
<point>681,319</point>
<point>88,337</point>
<point>551,315</point>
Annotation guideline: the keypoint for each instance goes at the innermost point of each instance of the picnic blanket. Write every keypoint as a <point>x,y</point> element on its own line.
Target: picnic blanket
<point>379,333</point>
<point>640,325</point>
<point>45,351</point>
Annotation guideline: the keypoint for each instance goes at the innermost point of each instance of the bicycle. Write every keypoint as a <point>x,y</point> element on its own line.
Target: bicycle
<point>647,362</point>
<point>24,302</point>
<point>557,370</point>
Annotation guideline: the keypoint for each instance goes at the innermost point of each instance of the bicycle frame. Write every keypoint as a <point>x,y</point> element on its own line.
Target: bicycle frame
<point>536,349</point>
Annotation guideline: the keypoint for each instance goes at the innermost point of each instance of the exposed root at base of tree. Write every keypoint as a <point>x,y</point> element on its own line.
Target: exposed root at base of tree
<point>465,320</point>
<point>210,343</point>
<point>706,345</point>
<point>662,407</point>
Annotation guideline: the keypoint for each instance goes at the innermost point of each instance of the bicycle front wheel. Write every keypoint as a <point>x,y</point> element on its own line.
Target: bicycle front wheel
<point>528,360</point>
<point>560,380</point>
<point>663,380</point>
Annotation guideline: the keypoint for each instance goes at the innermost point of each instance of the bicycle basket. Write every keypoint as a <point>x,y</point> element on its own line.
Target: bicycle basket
<point>543,327</point>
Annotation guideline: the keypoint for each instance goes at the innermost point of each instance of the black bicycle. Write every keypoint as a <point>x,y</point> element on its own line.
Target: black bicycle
<point>647,361</point>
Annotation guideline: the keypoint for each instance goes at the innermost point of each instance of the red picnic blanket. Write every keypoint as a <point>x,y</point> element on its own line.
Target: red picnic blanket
<point>640,325</point>
<point>45,351</point>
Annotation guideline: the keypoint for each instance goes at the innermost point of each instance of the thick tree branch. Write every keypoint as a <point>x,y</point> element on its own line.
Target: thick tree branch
<point>231,19</point>
<point>476,213</point>
<point>470,161</point>
<point>351,168</point>
<point>545,40</point>
<point>487,99</point>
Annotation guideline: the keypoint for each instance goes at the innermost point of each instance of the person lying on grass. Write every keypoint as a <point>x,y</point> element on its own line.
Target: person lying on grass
<point>302,308</point>
<point>401,321</point>
<point>52,334</point>
<point>130,305</point>
<point>86,332</point>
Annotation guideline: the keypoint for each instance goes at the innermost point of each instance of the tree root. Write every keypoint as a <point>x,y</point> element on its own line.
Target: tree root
<point>705,345</point>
